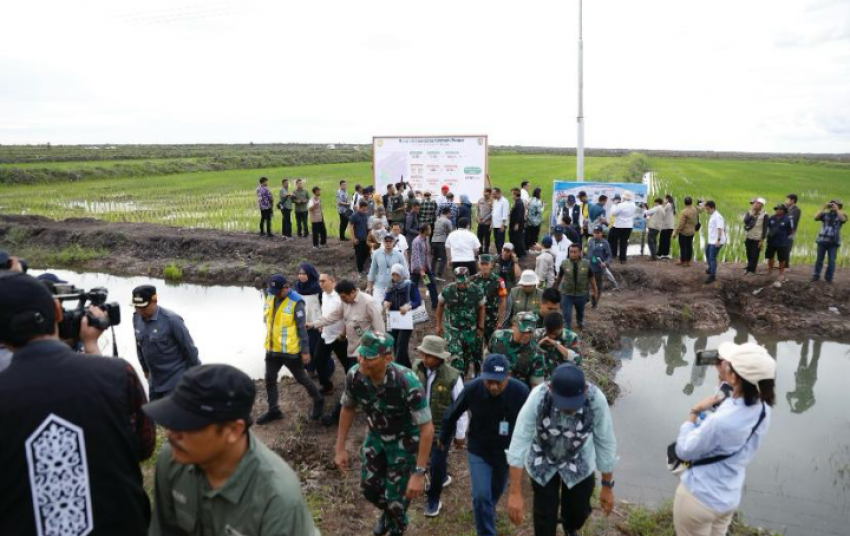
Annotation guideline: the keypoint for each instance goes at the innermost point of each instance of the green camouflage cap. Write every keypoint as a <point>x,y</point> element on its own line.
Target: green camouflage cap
<point>462,274</point>
<point>374,344</point>
<point>485,258</point>
<point>526,322</point>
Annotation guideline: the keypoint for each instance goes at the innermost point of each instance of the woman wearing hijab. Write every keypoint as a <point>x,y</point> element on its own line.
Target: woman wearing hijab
<point>402,297</point>
<point>465,208</point>
<point>308,287</point>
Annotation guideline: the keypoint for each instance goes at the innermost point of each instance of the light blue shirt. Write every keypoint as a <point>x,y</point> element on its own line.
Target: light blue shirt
<point>718,485</point>
<point>379,272</point>
<point>600,450</point>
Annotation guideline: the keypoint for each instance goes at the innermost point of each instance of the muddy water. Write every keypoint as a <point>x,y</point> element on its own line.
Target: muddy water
<point>226,323</point>
<point>799,482</point>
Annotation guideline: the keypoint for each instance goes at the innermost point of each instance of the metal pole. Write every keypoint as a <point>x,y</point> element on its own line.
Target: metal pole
<point>580,118</point>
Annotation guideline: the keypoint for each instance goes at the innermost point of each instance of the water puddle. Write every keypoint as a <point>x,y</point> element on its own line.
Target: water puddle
<point>799,482</point>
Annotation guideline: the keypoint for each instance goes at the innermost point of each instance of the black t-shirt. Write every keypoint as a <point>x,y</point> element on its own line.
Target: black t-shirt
<point>487,412</point>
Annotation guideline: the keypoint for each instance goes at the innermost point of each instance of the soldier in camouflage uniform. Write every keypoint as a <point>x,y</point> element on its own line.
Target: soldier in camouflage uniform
<point>558,344</point>
<point>395,453</point>
<point>494,292</point>
<point>520,347</point>
<point>460,316</point>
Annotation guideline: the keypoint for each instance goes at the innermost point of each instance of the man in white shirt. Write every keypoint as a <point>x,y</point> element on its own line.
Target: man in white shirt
<point>443,197</point>
<point>438,377</point>
<point>523,193</point>
<point>624,220</point>
<point>716,239</point>
<point>401,244</point>
<point>501,215</point>
<point>333,340</point>
<point>463,246</point>
<point>560,246</point>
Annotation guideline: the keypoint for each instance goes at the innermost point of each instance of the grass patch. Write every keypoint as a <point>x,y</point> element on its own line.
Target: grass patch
<point>72,254</point>
<point>172,272</point>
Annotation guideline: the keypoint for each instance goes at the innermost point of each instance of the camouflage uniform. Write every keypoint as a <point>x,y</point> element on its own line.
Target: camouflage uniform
<point>527,360</point>
<point>494,289</point>
<point>460,320</point>
<point>394,411</point>
<point>552,357</point>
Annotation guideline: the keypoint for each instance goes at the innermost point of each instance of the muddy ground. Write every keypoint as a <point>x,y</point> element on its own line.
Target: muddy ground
<point>653,295</point>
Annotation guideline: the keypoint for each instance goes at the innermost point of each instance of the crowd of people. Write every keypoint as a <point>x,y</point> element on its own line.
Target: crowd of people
<point>501,375</point>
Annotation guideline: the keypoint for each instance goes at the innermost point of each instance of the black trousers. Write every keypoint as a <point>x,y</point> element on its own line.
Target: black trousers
<point>499,239</point>
<point>266,221</point>
<point>664,242</point>
<point>343,225</point>
<point>471,265</point>
<point>320,234</point>
<point>574,504</point>
<point>532,233</point>
<point>618,239</point>
<point>401,346</point>
<point>323,359</point>
<point>361,255</point>
<point>415,278</point>
<point>301,221</point>
<point>286,214</point>
<point>274,362</point>
<point>753,254</point>
<point>484,237</point>
<point>438,258</point>
<point>686,248</point>
<point>517,238</point>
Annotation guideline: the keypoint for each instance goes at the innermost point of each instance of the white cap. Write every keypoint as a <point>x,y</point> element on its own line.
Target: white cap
<point>628,195</point>
<point>761,200</point>
<point>750,361</point>
<point>528,279</point>
<point>507,245</point>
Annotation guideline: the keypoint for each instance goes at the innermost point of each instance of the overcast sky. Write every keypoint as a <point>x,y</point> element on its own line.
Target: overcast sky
<point>748,75</point>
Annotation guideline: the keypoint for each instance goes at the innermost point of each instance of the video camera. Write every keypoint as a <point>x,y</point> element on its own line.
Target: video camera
<point>707,357</point>
<point>69,326</point>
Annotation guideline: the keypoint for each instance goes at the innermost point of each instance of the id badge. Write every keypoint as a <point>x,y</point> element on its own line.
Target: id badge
<point>504,428</point>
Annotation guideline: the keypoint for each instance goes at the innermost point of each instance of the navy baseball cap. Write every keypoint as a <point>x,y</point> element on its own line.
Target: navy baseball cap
<point>4,257</point>
<point>546,242</point>
<point>569,390</point>
<point>558,229</point>
<point>207,394</point>
<point>495,368</point>
<point>571,197</point>
<point>276,283</point>
<point>51,278</point>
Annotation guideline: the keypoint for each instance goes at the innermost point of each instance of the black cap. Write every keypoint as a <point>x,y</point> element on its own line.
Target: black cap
<point>207,394</point>
<point>26,308</point>
<point>48,277</point>
<point>568,387</point>
<point>276,283</point>
<point>495,368</point>
<point>780,206</point>
<point>142,295</point>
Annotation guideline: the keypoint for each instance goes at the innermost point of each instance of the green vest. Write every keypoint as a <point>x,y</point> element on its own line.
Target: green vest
<point>575,282</point>
<point>521,301</point>
<point>441,391</point>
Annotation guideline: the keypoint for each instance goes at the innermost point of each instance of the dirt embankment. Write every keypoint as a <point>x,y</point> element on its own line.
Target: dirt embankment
<point>654,295</point>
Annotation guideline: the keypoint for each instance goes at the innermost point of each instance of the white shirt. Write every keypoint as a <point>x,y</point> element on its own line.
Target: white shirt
<point>501,213</point>
<point>624,214</point>
<point>401,243</point>
<point>561,250</point>
<point>464,245</point>
<point>440,200</point>
<point>333,331</point>
<point>523,194</point>
<point>714,223</point>
<point>718,485</point>
<point>463,422</point>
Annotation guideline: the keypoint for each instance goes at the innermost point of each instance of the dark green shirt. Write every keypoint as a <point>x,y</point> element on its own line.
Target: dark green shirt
<point>300,198</point>
<point>261,498</point>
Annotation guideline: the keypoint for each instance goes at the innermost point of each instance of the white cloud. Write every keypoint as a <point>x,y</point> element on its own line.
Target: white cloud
<point>668,74</point>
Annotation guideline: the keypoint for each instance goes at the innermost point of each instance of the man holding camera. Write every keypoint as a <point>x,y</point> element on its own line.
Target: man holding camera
<point>832,217</point>
<point>163,344</point>
<point>72,425</point>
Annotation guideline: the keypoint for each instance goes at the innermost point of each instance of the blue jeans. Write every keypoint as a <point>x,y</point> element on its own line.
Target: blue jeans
<point>711,252</point>
<point>437,473</point>
<point>567,304</point>
<point>488,483</point>
<point>830,250</point>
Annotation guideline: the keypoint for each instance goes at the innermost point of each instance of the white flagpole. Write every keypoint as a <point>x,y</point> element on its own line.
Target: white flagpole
<point>580,118</point>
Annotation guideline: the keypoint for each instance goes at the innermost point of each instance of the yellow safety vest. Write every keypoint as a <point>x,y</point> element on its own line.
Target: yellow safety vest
<point>281,330</point>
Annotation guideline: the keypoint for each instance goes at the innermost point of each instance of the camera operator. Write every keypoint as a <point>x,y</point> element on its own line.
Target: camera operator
<point>721,447</point>
<point>8,263</point>
<point>85,410</point>
<point>832,217</point>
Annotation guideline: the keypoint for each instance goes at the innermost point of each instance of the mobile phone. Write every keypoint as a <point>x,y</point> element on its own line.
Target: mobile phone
<point>707,357</point>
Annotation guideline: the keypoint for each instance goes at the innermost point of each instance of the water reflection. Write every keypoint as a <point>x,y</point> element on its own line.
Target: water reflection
<point>802,398</point>
<point>799,483</point>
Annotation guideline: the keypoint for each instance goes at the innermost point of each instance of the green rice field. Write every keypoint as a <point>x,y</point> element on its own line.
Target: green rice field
<point>226,199</point>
